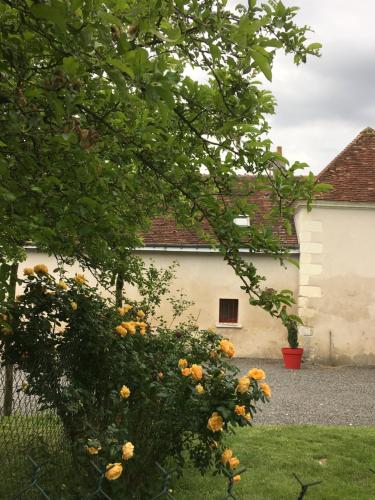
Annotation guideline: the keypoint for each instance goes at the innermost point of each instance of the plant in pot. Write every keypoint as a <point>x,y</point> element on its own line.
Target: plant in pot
<point>293,354</point>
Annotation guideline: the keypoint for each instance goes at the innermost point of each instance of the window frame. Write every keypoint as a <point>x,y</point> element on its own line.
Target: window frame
<point>225,319</point>
<point>242,221</point>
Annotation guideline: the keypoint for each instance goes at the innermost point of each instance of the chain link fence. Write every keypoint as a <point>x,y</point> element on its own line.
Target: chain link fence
<point>28,431</point>
<point>36,461</point>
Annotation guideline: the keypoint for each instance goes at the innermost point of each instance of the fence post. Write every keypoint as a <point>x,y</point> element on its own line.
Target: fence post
<point>8,386</point>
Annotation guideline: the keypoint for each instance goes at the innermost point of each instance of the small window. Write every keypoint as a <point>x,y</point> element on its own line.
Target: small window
<point>228,311</point>
<point>242,220</point>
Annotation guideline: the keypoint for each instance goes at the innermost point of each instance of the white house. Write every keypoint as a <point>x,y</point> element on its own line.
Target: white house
<point>334,285</point>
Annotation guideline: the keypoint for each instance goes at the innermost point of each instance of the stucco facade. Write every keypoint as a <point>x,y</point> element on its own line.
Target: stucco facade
<point>336,296</point>
<point>334,284</point>
<point>205,278</point>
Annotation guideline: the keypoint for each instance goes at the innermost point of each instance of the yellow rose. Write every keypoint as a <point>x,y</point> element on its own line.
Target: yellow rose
<point>266,389</point>
<point>237,478</point>
<point>227,347</point>
<point>93,450</point>
<point>248,416</point>
<point>142,327</point>
<point>80,279</point>
<point>160,375</point>
<point>124,309</point>
<point>215,422</point>
<point>186,372</point>
<point>62,285</point>
<point>127,451</point>
<point>121,331</point>
<point>243,385</point>
<point>233,463</point>
<point>182,363</point>
<point>226,456</point>
<point>74,305</point>
<point>257,374</point>
<point>199,389</point>
<point>28,271</point>
<point>141,314</point>
<point>41,269</point>
<point>240,410</point>
<point>114,471</point>
<point>197,372</point>
<point>131,327</point>
<point>124,392</point>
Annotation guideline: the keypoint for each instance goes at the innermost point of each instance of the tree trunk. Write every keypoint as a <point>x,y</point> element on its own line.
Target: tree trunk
<point>8,389</point>
<point>119,288</point>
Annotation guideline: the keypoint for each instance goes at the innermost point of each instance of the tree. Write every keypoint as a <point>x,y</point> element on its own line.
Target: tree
<point>102,127</point>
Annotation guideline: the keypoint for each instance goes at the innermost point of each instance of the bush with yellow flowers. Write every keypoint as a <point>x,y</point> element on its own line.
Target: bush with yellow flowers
<point>128,395</point>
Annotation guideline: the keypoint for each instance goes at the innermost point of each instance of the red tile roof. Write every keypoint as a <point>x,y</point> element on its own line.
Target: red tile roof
<point>164,231</point>
<point>352,172</point>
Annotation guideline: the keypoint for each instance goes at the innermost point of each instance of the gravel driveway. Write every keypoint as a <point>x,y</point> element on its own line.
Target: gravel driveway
<point>316,394</point>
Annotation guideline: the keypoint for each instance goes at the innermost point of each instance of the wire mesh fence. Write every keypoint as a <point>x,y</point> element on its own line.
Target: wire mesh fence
<point>27,433</point>
<point>37,462</point>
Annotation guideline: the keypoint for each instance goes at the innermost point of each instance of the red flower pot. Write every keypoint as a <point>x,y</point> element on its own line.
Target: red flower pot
<point>292,357</point>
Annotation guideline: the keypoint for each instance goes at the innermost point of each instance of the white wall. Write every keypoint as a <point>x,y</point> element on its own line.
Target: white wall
<point>205,278</point>
<point>337,282</point>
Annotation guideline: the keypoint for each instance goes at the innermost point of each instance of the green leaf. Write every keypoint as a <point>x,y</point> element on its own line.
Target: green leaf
<point>322,187</point>
<point>225,412</point>
<point>70,65</point>
<point>215,52</point>
<point>122,67</point>
<point>314,46</point>
<point>288,227</point>
<point>248,27</point>
<point>76,4</point>
<point>54,13</point>
<point>263,64</point>
<point>110,19</point>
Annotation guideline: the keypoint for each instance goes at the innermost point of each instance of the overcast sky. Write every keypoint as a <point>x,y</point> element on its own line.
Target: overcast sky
<point>325,103</point>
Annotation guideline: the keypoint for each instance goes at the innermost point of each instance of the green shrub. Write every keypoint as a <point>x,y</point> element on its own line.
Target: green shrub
<point>115,383</point>
<point>292,328</point>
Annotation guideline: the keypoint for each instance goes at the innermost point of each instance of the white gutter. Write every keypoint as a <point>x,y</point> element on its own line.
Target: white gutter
<point>336,204</point>
<point>184,249</point>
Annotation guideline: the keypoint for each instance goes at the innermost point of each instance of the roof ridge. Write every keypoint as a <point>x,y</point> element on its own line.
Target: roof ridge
<point>365,131</point>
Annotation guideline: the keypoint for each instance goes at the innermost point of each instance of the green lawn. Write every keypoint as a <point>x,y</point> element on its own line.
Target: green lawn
<point>43,438</point>
<point>339,456</point>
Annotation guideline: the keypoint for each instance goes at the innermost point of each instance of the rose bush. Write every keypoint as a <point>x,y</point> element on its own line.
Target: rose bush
<point>128,395</point>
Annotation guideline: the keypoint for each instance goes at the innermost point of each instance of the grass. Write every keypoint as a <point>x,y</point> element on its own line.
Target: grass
<point>339,456</point>
<point>42,437</point>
